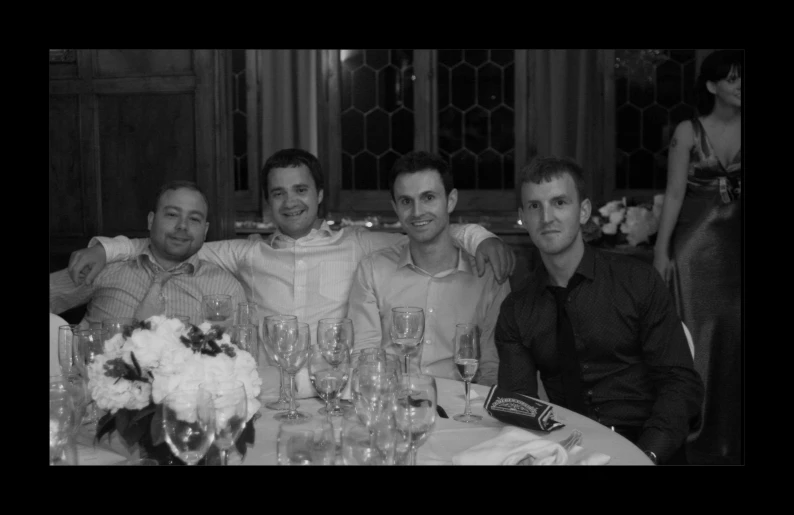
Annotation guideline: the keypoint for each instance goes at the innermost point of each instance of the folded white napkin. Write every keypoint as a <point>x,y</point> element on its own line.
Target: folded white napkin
<point>510,446</point>
<point>579,456</point>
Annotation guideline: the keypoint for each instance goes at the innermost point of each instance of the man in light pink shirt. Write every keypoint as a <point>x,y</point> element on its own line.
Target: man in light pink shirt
<point>428,271</point>
<point>304,268</point>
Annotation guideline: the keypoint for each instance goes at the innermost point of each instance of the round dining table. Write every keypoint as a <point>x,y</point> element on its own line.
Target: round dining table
<point>447,439</point>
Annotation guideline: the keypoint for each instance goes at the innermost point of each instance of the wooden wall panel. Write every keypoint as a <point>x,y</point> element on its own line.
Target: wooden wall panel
<point>136,63</point>
<point>144,141</point>
<point>65,190</point>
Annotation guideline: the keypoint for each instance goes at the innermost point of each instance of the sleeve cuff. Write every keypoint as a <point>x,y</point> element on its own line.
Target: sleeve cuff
<point>659,442</point>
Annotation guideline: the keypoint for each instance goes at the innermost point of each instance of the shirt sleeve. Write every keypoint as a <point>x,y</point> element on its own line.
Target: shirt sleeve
<point>120,248</point>
<point>64,294</point>
<point>669,360</point>
<point>228,254</point>
<point>489,357</point>
<point>362,307</point>
<point>517,369</point>
<point>466,236</point>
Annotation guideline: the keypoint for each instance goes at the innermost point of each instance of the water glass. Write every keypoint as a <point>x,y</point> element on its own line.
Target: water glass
<point>231,409</point>
<point>292,344</point>
<point>329,373</point>
<point>274,327</point>
<point>407,330</point>
<point>415,412</point>
<point>90,344</point>
<point>306,443</point>
<point>62,426</point>
<point>218,309</point>
<point>189,424</point>
<point>244,336</point>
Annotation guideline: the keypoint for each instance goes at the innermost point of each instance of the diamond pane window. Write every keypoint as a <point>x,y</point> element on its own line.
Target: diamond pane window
<point>476,116</point>
<point>377,115</point>
<point>653,93</point>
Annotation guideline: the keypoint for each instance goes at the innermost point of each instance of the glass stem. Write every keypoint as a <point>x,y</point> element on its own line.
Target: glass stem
<point>282,394</point>
<point>467,411</point>
<point>292,409</point>
<point>225,457</point>
<point>407,362</point>
<point>413,452</point>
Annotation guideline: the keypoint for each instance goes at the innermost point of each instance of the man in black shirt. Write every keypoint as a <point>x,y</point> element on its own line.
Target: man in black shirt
<point>601,328</point>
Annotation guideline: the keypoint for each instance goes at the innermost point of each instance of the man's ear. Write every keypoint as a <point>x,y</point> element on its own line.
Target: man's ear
<point>150,218</point>
<point>394,206</point>
<point>452,200</point>
<point>584,211</point>
<point>319,197</point>
<point>206,228</point>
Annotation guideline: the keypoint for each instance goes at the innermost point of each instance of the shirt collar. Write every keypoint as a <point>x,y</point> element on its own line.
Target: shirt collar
<point>146,260</point>
<point>586,269</point>
<point>323,232</point>
<point>406,260</point>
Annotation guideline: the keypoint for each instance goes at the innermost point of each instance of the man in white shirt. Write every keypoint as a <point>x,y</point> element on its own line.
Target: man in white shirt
<point>304,269</point>
<point>427,271</point>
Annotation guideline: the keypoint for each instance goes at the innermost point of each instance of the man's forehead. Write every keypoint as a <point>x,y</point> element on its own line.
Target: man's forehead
<point>184,198</point>
<point>553,187</point>
<point>418,182</point>
<point>290,176</point>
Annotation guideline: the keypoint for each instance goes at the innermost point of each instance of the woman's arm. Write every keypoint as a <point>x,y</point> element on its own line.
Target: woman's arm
<point>677,169</point>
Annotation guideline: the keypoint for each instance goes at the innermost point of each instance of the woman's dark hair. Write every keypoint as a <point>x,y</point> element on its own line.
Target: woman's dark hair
<point>289,158</point>
<point>716,66</point>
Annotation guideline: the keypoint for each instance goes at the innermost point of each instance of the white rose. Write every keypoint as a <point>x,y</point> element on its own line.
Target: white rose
<point>617,216</point>
<point>639,225</point>
<point>610,228</point>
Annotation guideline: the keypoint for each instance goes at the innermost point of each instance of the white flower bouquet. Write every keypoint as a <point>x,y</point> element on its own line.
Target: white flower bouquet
<point>158,356</point>
<point>618,222</point>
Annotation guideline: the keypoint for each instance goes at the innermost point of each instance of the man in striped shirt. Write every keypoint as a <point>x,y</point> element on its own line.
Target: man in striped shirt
<point>303,269</point>
<point>167,277</point>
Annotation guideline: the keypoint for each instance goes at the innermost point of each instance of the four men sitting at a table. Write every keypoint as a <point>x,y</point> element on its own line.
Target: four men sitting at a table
<point>600,328</point>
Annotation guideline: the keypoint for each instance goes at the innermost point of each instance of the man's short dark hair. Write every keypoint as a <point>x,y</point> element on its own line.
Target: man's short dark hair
<point>547,168</point>
<point>178,185</point>
<point>417,161</point>
<point>289,158</point>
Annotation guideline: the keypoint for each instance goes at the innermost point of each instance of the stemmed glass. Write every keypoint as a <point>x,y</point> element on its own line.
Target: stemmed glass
<point>407,330</point>
<point>77,388</point>
<point>272,326</point>
<point>332,335</point>
<point>90,344</point>
<point>189,423</point>
<point>292,345</point>
<point>114,326</point>
<point>244,336</point>
<point>415,412</point>
<point>375,388</point>
<point>329,376</point>
<point>218,309</point>
<point>245,311</point>
<point>231,413</point>
<point>467,359</point>
<point>66,349</point>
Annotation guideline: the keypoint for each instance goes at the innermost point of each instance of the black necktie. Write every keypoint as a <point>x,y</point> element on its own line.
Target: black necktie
<point>566,349</point>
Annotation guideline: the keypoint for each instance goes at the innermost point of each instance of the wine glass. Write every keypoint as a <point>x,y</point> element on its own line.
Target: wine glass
<point>333,333</point>
<point>407,329</point>
<point>272,326</point>
<point>62,424</point>
<point>306,443</point>
<point>415,412</point>
<point>114,326</point>
<point>374,391</point>
<point>77,388</point>
<point>292,348</point>
<point>467,359</point>
<point>329,376</point>
<point>90,344</point>
<point>189,423</point>
<point>218,309</point>
<point>231,410</point>
<point>66,350</point>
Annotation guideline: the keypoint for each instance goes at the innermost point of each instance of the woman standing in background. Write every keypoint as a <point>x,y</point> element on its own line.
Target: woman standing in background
<point>699,250</point>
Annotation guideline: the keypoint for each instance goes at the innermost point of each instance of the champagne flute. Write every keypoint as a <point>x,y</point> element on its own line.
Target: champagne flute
<point>114,326</point>
<point>415,413</point>
<point>231,413</point>
<point>329,376</point>
<point>77,388</point>
<point>245,311</point>
<point>407,330</point>
<point>332,334</point>
<point>270,326</point>
<point>90,344</point>
<point>218,310</point>
<point>244,336</point>
<point>467,359</point>
<point>189,423</point>
<point>292,346</point>
<point>66,348</point>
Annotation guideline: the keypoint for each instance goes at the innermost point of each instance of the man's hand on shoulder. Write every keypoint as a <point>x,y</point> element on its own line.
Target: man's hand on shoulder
<point>85,264</point>
<point>499,255</point>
